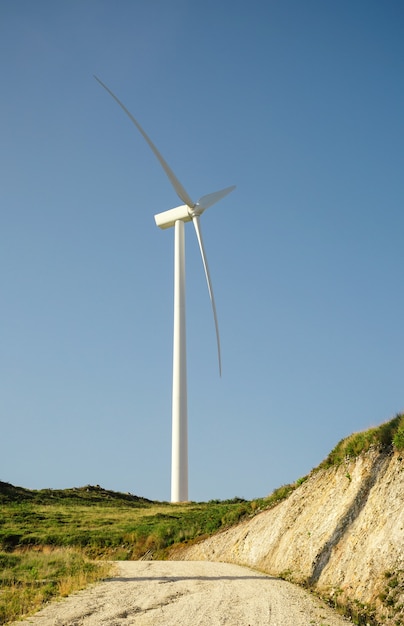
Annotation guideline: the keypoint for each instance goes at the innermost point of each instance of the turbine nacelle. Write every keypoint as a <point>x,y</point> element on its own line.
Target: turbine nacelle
<point>187,212</point>
<point>168,218</point>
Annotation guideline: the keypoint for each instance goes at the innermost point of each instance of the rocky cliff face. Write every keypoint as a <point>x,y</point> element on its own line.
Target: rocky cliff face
<point>341,532</point>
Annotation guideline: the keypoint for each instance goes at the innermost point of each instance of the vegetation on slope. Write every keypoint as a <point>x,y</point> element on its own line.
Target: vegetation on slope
<point>387,435</point>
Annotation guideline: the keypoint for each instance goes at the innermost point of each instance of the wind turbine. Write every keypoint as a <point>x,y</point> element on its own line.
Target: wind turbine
<point>189,211</point>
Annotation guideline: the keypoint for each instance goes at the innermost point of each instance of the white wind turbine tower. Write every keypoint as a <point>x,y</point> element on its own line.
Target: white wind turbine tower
<point>189,211</point>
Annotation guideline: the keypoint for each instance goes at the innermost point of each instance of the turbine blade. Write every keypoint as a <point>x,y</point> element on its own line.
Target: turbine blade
<point>181,192</point>
<point>207,201</point>
<point>197,226</point>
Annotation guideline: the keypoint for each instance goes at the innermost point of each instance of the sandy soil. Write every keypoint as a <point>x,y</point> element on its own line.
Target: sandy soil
<point>187,593</point>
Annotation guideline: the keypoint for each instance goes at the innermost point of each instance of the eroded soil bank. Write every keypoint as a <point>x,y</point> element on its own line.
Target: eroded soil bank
<point>341,533</point>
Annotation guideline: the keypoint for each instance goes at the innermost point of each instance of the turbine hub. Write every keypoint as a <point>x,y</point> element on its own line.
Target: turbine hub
<point>196,210</point>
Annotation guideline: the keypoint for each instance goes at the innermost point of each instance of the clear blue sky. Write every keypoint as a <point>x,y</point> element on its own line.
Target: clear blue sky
<point>299,104</point>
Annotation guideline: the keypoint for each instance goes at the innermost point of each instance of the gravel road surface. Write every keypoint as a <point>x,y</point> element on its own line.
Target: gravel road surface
<point>187,593</point>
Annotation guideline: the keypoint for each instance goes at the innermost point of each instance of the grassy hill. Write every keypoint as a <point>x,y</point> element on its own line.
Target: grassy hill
<point>55,541</point>
<point>106,524</point>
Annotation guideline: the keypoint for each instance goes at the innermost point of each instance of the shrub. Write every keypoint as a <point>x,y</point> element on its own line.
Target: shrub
<point>383,436</point>
<point>398,438</point>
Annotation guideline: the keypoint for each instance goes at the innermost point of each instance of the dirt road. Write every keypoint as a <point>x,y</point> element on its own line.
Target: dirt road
<point>187,593</point>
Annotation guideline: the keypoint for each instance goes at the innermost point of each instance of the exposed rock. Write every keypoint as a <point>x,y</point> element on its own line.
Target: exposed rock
<point>341,532</point>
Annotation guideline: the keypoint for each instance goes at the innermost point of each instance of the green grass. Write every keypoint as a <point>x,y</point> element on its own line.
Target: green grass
<point>31,578</point>
<point>112,528</point>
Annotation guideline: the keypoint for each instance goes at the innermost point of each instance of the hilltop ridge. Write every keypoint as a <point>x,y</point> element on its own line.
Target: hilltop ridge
<point>89,494</point>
